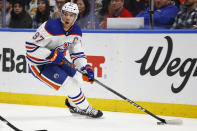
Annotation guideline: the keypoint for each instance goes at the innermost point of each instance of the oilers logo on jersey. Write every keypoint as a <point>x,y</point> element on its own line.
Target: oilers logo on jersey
<point>63,47</point>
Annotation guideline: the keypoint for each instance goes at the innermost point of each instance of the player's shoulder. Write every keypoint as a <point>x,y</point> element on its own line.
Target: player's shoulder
<point>54,27</point>
<point>75,30</point>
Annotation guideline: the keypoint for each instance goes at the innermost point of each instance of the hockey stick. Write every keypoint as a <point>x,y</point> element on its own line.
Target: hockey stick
<point>12,126</point>
<point>161,120</point>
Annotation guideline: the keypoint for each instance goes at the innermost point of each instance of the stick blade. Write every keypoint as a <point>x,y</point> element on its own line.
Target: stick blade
<point>171,122</point>
<point>174,122</point>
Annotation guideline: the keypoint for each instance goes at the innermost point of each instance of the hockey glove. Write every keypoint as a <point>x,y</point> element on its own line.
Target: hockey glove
<point>56,57</point>
<point>88,75</point>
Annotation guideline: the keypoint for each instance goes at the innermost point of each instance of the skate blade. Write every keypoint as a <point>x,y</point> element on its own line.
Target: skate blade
<point>85,116</point>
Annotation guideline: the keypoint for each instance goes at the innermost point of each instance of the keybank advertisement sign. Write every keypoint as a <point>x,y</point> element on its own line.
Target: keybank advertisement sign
<point>143,67</point>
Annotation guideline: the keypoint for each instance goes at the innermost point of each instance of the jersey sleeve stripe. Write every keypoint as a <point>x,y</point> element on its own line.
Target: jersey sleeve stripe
<point>37,63</point>
<point>78,58</point>
<point>32,50</point>
<point>79,53</point>
<point>31,57</point>
<point>30,44</point>
<point>30,47</point>
<point>36,60</point>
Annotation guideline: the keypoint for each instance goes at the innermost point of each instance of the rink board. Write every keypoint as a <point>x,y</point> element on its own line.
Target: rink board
<point>155,69</point>
<point>164,109</point>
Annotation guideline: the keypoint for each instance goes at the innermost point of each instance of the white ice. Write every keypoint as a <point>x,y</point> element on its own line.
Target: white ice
<point>29,118</point>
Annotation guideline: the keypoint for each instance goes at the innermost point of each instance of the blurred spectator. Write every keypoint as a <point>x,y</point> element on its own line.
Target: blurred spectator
<point>105,9</point>
<point>117,10</point>
<point>186,18</point>
<point>8,11</point>
<point>85,20</point>
<point>164,14</point>
<point>141,5</point>
<point>98,6</point>
<point>131,5</point>
<point>58,8</point>
<point>31,5</point>
<point>19,17</point>
<point>178,3</point>
<point>52,3</point>
<point>27,2</point>
<point>42,14</point>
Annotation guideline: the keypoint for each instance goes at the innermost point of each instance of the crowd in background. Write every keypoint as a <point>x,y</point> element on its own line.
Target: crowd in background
<point>168,14</point>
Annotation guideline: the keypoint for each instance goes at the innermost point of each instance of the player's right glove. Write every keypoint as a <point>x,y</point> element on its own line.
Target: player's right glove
<point>56,57</point>
<point>88,75</point>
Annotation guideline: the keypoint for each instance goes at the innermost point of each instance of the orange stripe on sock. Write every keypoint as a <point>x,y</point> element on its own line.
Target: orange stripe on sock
<point>79,98</point>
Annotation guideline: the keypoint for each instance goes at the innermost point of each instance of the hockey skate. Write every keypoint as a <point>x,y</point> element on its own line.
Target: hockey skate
<point>90,111</point>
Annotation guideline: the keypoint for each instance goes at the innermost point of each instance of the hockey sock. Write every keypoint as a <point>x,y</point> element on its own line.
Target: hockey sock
<point>79,100</point>
<point>75,93</point>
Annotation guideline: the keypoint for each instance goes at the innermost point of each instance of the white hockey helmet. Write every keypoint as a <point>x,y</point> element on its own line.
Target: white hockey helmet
<point>70,7</point>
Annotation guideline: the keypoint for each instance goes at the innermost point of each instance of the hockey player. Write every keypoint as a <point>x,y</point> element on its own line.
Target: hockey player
<point>45,51</point>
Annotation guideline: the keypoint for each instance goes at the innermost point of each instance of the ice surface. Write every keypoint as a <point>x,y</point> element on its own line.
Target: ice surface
<point>29,118</point>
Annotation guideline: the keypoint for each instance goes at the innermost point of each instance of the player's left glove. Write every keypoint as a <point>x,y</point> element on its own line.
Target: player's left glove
<point>56,57</point>
<point>88,75</point>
